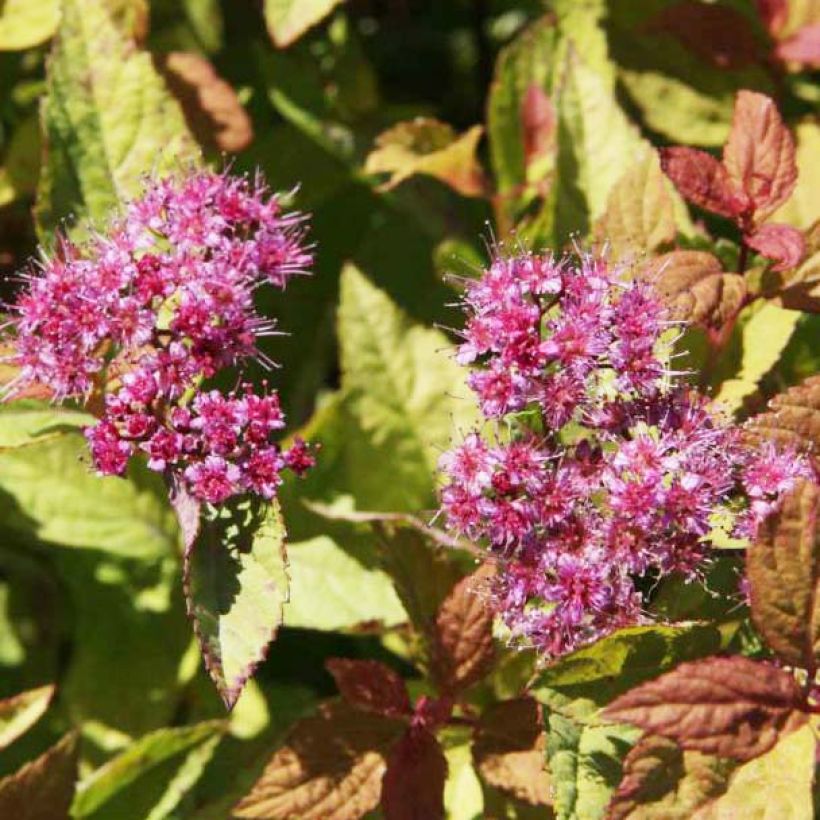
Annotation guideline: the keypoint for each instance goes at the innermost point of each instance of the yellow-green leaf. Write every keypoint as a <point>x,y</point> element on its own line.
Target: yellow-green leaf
<point>26,23</point>
<point>288,20</point>
<point>19,713</point>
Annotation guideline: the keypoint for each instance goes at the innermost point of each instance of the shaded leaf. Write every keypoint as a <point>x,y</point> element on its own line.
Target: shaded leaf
<point>783,569</point>
<point>107,118</point>
<point>370,685</point>
<point>799,289</point>
<point>148,779</point>
<point>288,20</point>
<point>509,749</point>
<point>44,788</point>
<point>781,243</point>
<point>236,585</point>
<point>759,154</point>
<point>20,712</point>
<point>331,765</point>
<point>462,644</point>
<point>731,707</point>
<point>702,180</point>
<point>24,24</point>
<point>661,781</point>
<point>696,288</point>
<point>427,146</point>
<point>413,785</point>
<point>212,109</point>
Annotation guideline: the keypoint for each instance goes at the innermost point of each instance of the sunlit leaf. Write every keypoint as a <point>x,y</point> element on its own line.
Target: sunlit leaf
<point>793,417</point>
<point>288,20</point>
<point>20,712</point>
<point>24,24</point>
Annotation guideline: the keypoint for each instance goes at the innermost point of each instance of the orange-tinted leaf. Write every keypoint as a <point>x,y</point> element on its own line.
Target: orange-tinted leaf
<point>20,712</point>
<point>462,645</point>
<point>509,750</point>
<point>210,104</point>
<point>730,707</point>
<point>781,243</point>
<point>331,766</point>
<point>802,47</point>
<point>539,127</point>
<point>44,788</point>
<point>661,781</point>
<point>793,417</point>
<point>696,288</point>
<point>427,146</point>
<point>719,34</point>
<point>783,568</point>
<point>702,180</point>
<point>759,154</point>
<point>799,289</point>
<point>774,13</point>
<point>413,787</point>
<point>370,685</point>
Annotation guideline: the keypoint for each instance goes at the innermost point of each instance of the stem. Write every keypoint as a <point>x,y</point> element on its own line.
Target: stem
<point>744,256</point>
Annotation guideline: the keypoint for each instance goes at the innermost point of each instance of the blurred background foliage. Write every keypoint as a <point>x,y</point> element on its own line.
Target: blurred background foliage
<point>532,113</point>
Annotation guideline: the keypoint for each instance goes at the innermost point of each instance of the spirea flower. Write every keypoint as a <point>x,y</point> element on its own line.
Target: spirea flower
<point>138,318</point>
<point>600,467</point>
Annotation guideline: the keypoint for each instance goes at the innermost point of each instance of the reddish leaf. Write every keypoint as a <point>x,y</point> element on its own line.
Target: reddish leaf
<point>774,14</point>
<point>802,47</point>
<point>463,638</point>
<point>759,155</point>
<point>718,34</point>
<point>730,707</point>
<point>538,123</point>
<point>44,788</point>
<point>210,104</point>
<point>702,180</point>
<point>781,243</point>
<point>509,750</point>
<point>783,568</point>
<point>432,713</point>
<point>370,685</point>
<point>331,765</point>
<point>413,785</point>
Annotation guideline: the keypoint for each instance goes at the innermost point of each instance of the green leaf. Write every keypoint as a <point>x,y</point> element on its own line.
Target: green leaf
<point>775,325</point>
<point>331,590</point>
<point>24,422</point>
<point>288,20</point>
<point>406,394</point>
<point>108,119</point>
<point>24,23</point>
<point>148,779</point>
<point>585,764</point>
<point>802,209</point>
<point>463,799</point>
<point>236,585</point>
<point>19,713</point>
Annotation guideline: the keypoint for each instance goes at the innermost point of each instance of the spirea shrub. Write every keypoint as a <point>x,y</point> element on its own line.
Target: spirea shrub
<point>600,468</point>
<point>138,318</point>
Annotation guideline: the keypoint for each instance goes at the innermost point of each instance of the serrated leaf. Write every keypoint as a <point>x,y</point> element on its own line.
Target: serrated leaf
<point>236,586</point>
<point>776,326</point>
<point>730,707</point>
<point>759,155</point>
<point>108,119</point>
<point>585,764</point>
<point>20,712</point>
<point>403,389</point>
<point>509,749</point>
<point>802,209</point>
<point>640,214</point>
<point>44,788</point>
<point>211,106</point>
<point>413,785</point>
<point>799,289</point>
<point>462,642</point>
<point>702,180</point>
<point>26,422</point>
<point>148,779</point>
<point>322,574</point>
<point>370,685</point>
<point>780,243</point>
<point>432,148</point>
<point>661,781</point>
<point>783,569</point>
<point>288,20</point>
<point>778,783</point>
<point>331,765</point>
<point>24,24</point>
<point>696,288</point>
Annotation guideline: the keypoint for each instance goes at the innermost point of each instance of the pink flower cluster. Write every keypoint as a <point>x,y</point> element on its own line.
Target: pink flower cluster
<point>136,319</point>
<point>601,469</point>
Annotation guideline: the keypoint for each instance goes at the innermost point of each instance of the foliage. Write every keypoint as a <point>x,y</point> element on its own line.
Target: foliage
<point>351,637</point>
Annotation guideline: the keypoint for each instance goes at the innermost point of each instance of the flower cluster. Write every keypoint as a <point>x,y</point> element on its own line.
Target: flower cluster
<point>602,469</point>
<point>136,319</point>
